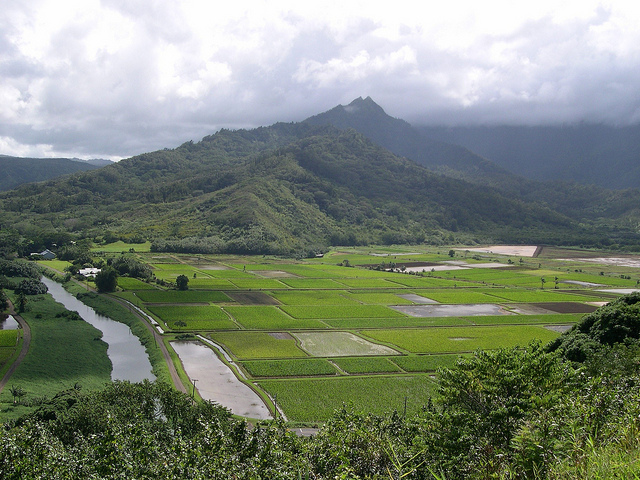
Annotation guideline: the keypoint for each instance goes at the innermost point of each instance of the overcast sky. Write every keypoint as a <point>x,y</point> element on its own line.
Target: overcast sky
<point>115,78</point>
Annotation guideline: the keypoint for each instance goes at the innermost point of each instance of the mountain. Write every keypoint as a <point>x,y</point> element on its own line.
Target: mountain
<point>437,149</point>
<point>18,170</point>
<point>589,154</point>
<point>284,189</point>
<point>399,137</point>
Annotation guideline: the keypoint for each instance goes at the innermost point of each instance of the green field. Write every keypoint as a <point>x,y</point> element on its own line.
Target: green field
<point>249,345</point>
<point>461,339</point>
<point>296,367</point>
<point>319,334</point>
<point>315,399</point>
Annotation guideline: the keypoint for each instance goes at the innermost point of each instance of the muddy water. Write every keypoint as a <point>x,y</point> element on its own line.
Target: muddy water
<point>127,354</point>
<point>216,382</point>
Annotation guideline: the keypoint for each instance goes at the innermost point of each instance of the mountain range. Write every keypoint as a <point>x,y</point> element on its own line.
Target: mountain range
<point>19,170</point>
<point>350,176</point>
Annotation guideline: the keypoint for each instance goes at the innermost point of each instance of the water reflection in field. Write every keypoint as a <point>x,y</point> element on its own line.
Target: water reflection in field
<point>216,382</point>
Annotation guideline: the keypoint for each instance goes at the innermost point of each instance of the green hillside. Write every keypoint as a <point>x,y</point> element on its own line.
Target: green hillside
<point>17,171</point>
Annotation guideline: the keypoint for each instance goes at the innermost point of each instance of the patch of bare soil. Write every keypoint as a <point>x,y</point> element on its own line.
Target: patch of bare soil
<point>406,264</point>
<point>190,304</point>
<point>275,274</point>
<point>567,307</point>
<point>252,298</point>
<point>558,328</point>
<point>280,335</point>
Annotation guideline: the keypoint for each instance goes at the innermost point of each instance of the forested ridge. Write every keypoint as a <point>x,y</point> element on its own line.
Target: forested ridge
<point>289,189</point>
<point>570,409</point>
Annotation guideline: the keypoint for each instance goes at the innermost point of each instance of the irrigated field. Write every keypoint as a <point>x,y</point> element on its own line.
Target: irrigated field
<point>318,335</point>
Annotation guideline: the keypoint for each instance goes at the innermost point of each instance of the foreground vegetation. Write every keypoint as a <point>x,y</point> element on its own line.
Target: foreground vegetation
<point>509,413</point>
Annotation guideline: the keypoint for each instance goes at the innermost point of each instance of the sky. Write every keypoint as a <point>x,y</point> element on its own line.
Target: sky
<point>115,78</point>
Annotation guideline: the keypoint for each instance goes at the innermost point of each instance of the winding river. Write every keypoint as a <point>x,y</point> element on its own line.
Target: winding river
<point>128,357</point>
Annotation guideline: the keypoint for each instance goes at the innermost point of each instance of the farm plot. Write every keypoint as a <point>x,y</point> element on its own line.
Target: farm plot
<point>296,367</point>
<point>367,282</point>
<point>357,323</point>
<point>209,283</point>
<point>339,297</point>
<point>254,345</point>
<point>424,363</point>
<point>316,399</point>
<point>537,296</point>
<point>207,317</point>
<point>182,296</point>
<point>459,295</point>
<point>462,310</point>
<point>461,339</point>
<point>263,317</point>
<point>311,283</point>
<point>339,344</point>
<point>359,365</point>
<point>257,283</point>
<point>426,282</point>
<point>379,298</point>
<point>346,311</point>
<point>128,283</point>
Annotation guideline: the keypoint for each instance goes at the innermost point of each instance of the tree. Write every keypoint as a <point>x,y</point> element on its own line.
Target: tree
<point>22,302</point>
<point>107,280</point>
<point>452,253</point>
<point>17,392</point>
<point>4,301</point>
<point>182,282</point>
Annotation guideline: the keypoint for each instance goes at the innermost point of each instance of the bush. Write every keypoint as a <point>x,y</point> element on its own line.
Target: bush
<point>31,286</point>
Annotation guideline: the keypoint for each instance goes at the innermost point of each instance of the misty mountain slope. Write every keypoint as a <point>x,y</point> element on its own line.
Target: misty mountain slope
<point>399,137</point>
<point>588,154</point>
<point>278,189</point>
<point>17,171</point>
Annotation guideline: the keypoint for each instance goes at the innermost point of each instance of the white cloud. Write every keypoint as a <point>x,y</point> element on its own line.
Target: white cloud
<point>115,77</point>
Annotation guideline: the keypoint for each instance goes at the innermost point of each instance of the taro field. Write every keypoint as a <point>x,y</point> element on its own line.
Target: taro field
<point>368,328</point>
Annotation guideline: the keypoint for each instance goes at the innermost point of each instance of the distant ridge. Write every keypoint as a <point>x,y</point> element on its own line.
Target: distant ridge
<point>399,137</point>
<point>589,154</point>
<point>17,171</point>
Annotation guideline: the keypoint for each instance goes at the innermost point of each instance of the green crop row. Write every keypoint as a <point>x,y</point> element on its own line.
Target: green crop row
<point>182,296</point>
<point>253,345</point>
<point>358,365</point>
<point>295,367</point>
<point>316,399</point>
<point>461,339</point>
<point>347,311</point>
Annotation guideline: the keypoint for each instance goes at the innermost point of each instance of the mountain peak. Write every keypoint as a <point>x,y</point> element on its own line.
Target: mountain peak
<point>366,105</point>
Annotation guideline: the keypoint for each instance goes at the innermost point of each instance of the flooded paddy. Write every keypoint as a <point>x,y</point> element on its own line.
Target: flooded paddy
<point>412,297</point>
<point>466,310</point>
<point>516,250</point>
<point>340,344</point>
<point>216,382</point>
<point>7,322</point>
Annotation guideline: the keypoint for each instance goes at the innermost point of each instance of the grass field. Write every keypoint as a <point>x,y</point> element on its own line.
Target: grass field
<point>297,367</point>
<point>250,345</point>
<point>62,353</point>
<point>315,399</point>
<point>461,339</point>
<point>319,335</point>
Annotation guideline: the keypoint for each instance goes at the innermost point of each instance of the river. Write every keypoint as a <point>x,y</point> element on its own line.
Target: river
<point>128,357</point>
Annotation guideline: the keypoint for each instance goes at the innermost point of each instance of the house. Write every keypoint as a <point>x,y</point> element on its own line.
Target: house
<point>89,272</point>
<point>45,255</point>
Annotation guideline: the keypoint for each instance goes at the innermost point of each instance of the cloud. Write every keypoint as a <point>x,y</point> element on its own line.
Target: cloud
<point>113,78</point>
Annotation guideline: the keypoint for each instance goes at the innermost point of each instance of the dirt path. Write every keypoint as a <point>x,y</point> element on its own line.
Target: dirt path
<point>26,341</point>
<point>175,378</point>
